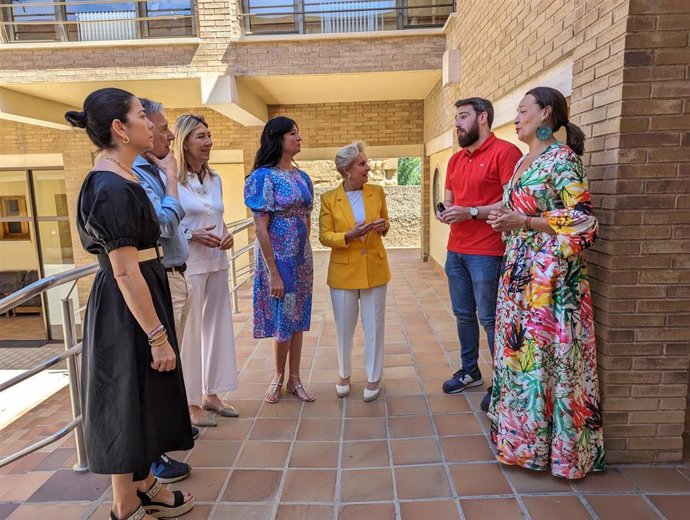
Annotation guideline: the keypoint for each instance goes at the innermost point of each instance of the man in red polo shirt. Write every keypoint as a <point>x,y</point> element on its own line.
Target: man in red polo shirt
<point>474,186</point>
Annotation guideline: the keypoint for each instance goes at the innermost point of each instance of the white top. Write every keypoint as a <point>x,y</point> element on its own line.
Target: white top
<point>203,206</point>
<point>357,204</point>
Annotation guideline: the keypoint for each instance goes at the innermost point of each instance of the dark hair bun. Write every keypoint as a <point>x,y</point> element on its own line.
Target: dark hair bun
<point>76,119</point>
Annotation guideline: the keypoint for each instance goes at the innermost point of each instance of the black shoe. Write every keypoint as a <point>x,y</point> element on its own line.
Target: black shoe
<point>461,380</point>
<point>195,433</point>
<point>486,401</point>
<point>168,470</point>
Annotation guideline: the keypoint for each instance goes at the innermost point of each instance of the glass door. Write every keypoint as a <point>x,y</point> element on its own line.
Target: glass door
<point>19,263</point>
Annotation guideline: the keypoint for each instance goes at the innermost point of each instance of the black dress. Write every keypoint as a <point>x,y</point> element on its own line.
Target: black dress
<point>132,413</point>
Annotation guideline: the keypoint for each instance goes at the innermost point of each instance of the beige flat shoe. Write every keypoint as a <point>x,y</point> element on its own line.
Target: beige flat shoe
<point>225,411</point>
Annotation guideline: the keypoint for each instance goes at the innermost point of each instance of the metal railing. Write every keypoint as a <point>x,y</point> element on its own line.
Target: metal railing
<point>93,20</point>
<point>342,16</point>
<point>237,277</point>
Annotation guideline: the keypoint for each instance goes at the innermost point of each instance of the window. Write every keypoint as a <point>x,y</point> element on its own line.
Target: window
<point>11,229</point>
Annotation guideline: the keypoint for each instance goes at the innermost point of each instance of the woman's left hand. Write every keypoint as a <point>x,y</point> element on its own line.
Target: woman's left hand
<point>226,241</point>
<point>379,225</point>
<point>503,219</point>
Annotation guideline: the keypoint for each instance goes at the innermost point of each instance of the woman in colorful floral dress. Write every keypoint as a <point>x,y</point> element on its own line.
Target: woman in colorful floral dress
<point>281,197</point>
<point>545,396</point>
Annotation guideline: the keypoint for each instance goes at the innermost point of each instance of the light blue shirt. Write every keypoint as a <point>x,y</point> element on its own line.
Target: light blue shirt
<point>169,212</point>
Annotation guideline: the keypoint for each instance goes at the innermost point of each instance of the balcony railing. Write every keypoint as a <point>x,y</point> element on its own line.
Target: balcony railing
<point>90,20</point>
<point>342,16</point>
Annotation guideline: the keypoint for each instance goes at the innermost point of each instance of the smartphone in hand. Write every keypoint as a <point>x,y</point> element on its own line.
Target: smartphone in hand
<point>440,207</point>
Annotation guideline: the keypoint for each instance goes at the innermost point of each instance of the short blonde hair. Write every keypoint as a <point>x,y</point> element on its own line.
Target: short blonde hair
<point>347,155</point>
<point>185,125</point>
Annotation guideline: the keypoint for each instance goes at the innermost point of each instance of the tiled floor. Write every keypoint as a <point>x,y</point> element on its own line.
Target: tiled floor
<point>413,454</point>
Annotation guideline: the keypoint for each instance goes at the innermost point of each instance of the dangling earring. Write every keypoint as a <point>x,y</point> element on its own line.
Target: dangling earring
<point>125,140</point>
<point>544,132</point>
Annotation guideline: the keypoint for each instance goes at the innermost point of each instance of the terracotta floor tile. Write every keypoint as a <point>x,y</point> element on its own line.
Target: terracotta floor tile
<point>365,454</point>
<point>479,479</point>
<point>204,484</point>
<point>384,511</point>
<point>428,510</point>
<point>52,511</point>
<point>366,485</point>
<point>66,485</point>
<point>402,388</point>
<point>304,512</point>
<point>658,480</point>
<point>399,373</point>
<point>530,481</point>
<point>243,512</point>
<point>281,410</point>
<point>263,454</point>
<point>252,485</point>
<point>611,480</point>
<point>319,430</point>
<point>324,408</point>
<point>673,507</point>
<point>413,405</point>
<point>621,507</point>
<point>365,428</point>
<point>561,507</point>
<point>21,487</point>
<point>491,509</point>
<point>34,462</point>
<point>273,429</point>
<point>432,359</point>
<point>456,424</point>
<point>415,451</point>
<point>235,430</point>
<point>422,482</point>
<point>315,454</point>
<point>466,449</point>
<point>455,403</point>
<point>309,485</point>
<point>212,454</point>
<point>410,426</point>
<point>7,508</point>
<point>359,408</point>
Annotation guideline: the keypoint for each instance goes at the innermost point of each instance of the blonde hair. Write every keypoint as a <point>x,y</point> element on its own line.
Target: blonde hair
<point>185,125</point>
<point>347,155</point>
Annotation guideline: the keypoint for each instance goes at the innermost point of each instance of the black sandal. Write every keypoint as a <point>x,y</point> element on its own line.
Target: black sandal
<point>137,515</point>
<point>161,510</point>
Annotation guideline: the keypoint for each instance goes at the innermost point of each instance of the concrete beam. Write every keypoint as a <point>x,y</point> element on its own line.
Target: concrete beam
<point>226,95</point>
<point>32,110</point>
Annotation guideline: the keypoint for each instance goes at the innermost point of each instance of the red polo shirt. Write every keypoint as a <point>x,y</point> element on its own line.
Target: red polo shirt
<point>477,179</point>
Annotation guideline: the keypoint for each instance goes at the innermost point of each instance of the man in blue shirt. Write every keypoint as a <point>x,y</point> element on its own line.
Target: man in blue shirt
<point>157,174</point>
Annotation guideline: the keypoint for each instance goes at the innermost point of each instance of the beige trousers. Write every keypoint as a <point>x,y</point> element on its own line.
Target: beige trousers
<point>180,291</point>
<point>346,307</point>
<point>208,344</point>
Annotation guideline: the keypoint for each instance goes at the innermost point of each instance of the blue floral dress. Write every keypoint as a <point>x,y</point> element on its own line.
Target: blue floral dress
<point>287,198</point>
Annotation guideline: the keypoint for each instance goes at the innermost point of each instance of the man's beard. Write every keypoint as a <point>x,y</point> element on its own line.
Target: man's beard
<point>469,137</point>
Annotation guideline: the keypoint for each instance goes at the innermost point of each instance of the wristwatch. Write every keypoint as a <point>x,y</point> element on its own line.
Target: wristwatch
<point>474,212</point>
<point>188,234</point>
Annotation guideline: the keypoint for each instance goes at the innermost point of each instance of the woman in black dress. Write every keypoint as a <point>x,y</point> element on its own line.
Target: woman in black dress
<point>134,400</point>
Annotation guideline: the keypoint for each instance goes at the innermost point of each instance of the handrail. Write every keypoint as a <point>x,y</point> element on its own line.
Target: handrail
<point>41,366</point>
<point>236,227</point>
<point>34,289</point>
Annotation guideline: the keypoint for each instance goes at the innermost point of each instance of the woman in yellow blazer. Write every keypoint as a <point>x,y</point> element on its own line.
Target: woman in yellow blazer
<point>352,222</point>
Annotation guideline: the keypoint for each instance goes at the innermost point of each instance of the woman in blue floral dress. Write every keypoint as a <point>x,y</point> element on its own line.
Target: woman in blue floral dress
<point>280,196</point>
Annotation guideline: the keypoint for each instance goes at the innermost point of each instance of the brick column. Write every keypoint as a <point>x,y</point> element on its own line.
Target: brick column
<point>631,95</point>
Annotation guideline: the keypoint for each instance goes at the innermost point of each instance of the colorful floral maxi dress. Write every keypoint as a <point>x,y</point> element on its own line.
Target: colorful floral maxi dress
<point>545,396</point>
<point>287,198</point>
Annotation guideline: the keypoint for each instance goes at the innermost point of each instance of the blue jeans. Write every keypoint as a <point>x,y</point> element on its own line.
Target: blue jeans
<point>473,284</point>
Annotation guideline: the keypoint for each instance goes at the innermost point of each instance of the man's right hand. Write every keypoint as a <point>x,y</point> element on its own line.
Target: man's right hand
<point>167,164</point>
<point>204,237</point>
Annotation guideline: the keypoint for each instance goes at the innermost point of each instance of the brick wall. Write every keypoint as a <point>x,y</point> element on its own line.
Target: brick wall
<point>502,44</point>
<point>378,123</point>
<point>632,97</point>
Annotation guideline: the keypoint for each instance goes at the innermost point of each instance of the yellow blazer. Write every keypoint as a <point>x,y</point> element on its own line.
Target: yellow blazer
<point>355,265</point>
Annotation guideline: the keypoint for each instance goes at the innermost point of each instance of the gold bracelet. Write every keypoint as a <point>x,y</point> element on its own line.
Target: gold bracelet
<point>157,335</point>
<point>160,343</point>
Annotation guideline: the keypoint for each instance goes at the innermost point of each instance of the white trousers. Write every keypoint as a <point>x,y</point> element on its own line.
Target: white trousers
<point>346,305</point>
<point>208,342</point>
